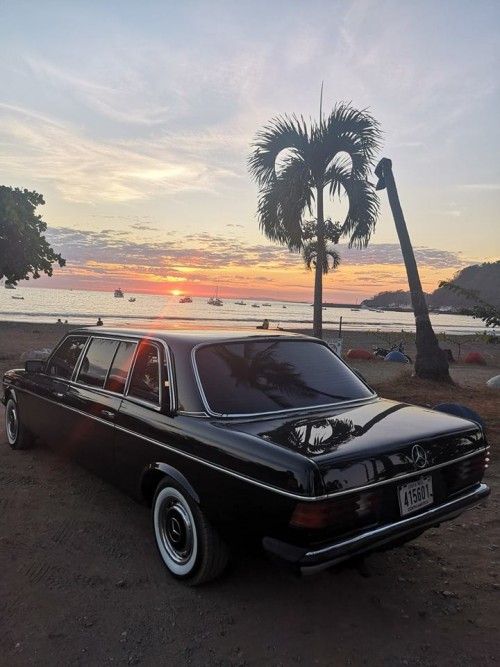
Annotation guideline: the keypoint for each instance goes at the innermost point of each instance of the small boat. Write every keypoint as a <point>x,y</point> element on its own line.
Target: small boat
<point>214,300</point>
<point>185,299</point>
<point>240,303</point>
<point>17,297</point>
<point>119,294</point>
<point>9,286</point>
<point>255,305</point>
<point>132,299</point>
<point>266,304</point>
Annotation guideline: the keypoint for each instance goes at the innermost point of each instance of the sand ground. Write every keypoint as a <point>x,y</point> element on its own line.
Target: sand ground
<point>81,583</point>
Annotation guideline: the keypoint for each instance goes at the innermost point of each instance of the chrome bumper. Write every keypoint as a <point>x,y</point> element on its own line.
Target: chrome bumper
<point>312,561</point>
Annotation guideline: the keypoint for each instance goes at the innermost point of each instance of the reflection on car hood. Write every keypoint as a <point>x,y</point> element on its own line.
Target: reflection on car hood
<point>371,442</point>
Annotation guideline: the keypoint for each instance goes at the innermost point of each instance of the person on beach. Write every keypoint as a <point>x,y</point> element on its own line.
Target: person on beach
<point>264,325</point>
<point>99,322</point>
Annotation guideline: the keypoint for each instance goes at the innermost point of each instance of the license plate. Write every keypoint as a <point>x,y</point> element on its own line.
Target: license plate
<point>415,495</point>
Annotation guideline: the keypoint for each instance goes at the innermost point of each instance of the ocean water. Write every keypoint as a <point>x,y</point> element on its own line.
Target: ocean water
<point>84,307</point>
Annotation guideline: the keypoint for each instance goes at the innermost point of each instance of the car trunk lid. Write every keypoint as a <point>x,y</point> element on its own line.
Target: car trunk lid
<point>372,443</point>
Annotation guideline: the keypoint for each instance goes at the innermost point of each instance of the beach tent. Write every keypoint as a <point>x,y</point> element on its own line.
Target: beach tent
<point>356,353</point>
<point>475,358</point>
<point>396,356</point>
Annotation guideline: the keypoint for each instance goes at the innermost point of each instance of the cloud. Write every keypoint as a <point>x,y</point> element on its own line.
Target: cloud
<point>118,250</point>
<point>485,187</point>
<point>390,254</point>
<point>86,170</point>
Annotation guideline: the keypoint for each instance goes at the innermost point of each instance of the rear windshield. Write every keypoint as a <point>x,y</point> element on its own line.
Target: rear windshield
<point>267,376</point>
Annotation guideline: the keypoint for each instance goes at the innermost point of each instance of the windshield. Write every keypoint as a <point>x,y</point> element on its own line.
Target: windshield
<point>257,376</point>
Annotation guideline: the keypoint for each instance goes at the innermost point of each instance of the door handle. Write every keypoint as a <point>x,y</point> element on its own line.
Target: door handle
<point>107,414</point>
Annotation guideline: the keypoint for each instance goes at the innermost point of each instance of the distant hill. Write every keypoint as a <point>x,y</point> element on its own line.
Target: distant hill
<point>399,299</point>
<point>483,278</point>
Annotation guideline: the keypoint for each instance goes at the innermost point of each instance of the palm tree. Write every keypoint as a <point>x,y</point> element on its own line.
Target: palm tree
<point>431,361</point>
<point>310,257</point>
<point>293,164</point>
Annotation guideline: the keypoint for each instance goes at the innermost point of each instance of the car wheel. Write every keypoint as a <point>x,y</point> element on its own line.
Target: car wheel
<point>17,435</point>
<point>191,548</point>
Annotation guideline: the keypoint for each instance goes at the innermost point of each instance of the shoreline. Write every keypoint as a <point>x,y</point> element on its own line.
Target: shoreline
<point>82,308</point>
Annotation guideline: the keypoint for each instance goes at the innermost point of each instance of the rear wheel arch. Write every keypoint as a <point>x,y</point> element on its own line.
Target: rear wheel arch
<point>9,391</point>
<point>156,474</point>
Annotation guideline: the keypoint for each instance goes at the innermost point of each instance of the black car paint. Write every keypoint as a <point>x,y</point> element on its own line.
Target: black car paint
<point>247,472</point>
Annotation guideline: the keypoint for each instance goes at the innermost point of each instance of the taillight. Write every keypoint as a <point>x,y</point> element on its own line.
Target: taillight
<point>313,515</point>
<point>340,513</point>
<point>464,473</point>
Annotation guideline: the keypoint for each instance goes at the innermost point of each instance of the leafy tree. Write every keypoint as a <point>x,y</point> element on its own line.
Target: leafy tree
<point>482,310</point>
<point>23,248</point>
<point>431,362</point>
<point>294,164</point>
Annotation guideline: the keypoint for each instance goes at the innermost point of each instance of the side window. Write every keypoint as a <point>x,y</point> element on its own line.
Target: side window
<point>96,362</point>
<point>145,381</point>
<point>117,376</point>
<point>63,361</point>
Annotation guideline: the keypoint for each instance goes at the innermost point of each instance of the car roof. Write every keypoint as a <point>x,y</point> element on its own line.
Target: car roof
<point>188,336</point>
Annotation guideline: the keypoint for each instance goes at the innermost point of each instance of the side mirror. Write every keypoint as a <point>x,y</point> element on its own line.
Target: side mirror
<point>34,366</point>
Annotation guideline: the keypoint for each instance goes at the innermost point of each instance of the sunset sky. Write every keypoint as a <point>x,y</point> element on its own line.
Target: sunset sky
<point>135,120</point>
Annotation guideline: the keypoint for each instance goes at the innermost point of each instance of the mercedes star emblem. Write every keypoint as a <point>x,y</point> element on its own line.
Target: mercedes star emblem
<point>419,456</point>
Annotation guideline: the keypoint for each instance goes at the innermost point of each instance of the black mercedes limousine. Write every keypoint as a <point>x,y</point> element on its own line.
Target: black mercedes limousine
<point>232,435</point>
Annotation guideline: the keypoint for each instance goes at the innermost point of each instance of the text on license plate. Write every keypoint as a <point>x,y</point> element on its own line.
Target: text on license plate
<point>414,495</point>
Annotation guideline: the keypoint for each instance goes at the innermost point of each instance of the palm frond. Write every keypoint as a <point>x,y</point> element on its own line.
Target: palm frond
<point>282,133</point>
<point>364,206</point>
<point>280,218</point>
<point>282,204</point>
<point>354,132</point>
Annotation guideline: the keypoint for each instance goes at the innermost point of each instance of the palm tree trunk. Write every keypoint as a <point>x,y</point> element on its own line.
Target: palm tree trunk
<point>318,274</point>
<point>430,361</point>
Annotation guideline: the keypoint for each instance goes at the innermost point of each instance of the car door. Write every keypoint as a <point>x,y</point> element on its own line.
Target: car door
<point>44,405</point>
<point>142,421</point>
<point>94,397</point>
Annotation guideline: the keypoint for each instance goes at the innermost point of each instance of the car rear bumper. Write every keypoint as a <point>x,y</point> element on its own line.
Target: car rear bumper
<point>310,561</point>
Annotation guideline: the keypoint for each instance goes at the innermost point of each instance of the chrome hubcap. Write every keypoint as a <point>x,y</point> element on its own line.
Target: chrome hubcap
<point>176,531</point>
<point>12,423</point>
